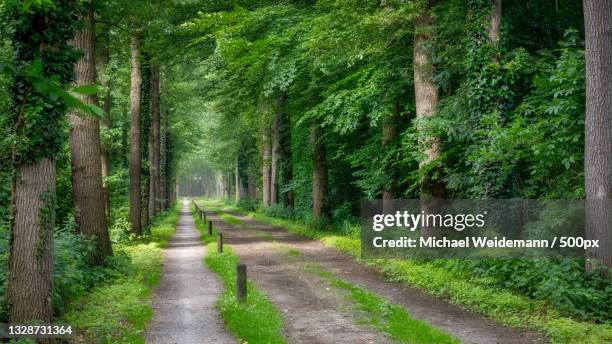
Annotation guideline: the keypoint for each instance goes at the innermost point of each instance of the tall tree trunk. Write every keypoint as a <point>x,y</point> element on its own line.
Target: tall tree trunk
<point>145,137</point>
<point>251,184</point>
<point>286,158</point>
<point>237,175</point>
<point>495,22</point>
<point>274,167</point>
<point>106,107</point>
<point>495,27</point>
<point>426,98</point>
<point>598,127</point>
<point>319,173</point>
<point>90,210</point>
<point>228,184</point>
<point>154,173</point>
<point>266,166</point>
<point>136,82</point>
<point>36,122</point>
<point>389,134</point>
<point>30,282</point>
<point>163,202</point>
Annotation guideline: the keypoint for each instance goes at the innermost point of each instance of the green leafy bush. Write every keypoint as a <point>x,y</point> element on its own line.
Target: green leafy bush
<point>563,283</point>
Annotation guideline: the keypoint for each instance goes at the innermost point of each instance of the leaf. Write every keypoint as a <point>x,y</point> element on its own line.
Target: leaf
<point>6,67</point>
<point>86,89</point>
<point>36,69</point>
<point>95,111</point>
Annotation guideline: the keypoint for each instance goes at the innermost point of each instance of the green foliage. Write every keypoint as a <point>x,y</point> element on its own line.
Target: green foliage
<point>43,65</point>
<point>565,284</point>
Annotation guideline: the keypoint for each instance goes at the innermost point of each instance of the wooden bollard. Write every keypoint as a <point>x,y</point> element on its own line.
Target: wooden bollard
<point>241,282</point>
<point>209,227</point>
<point>220,243</point>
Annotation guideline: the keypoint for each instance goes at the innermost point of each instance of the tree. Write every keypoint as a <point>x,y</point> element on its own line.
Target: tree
<point>37,122</point>
<point>155,146</point>
<point>319,173</point>
<point>102,62</point>
<point>85,149</point>
<point>598,126</point>
<point>495,22</point>
<point>389,135</point>
<point>135,168</point>
<point>266,170</point>
<point>286,156</point>
<point>426,98</point>
<point>275,151</point>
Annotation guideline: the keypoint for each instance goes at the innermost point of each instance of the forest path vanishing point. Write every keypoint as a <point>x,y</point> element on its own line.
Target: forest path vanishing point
<point>313,313</point>
<point>184,302</point>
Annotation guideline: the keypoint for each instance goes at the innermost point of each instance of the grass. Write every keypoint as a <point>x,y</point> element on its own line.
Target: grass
<point>387,317</point>
<point>119,311</point>
<point>504,306</point>
<point>255,321</point>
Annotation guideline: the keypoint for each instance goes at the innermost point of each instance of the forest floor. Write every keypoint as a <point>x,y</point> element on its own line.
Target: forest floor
<point>184,302</point>
<point>298,274</point>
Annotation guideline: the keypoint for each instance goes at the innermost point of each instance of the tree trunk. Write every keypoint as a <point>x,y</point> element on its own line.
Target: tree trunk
<point>90,210</point>
<point>495,28</point>
<point>426,98</point>
<point>275,159</point>
<point>598,128</point>
<point>162,176</point>
<point>228,184</point>
<point>389,134</point>
<point>145,137</point>
<point>136,82</point>
<point>266,167</point>
<point>319,173</point>
<point>287,159</point>
<point>106,107</point>
<point>251,185</point>
<point>30,282</point>
<point>154,174</point>
<point>495,22</point>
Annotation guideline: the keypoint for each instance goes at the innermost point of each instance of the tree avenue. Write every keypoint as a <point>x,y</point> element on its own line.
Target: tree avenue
<point>297,111</point>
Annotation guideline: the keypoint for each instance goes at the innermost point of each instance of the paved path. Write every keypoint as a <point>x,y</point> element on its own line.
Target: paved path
<point>184,302</point>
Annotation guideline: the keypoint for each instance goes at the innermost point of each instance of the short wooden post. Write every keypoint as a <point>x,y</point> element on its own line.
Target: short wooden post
<point>241,282</point>
<point>220,243</point>
<point>209,227</point>
<point>203,216</point>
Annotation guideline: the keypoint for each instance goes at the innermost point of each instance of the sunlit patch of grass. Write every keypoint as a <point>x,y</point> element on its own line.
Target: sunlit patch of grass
<point>232,220</point>
<point>385,316</point>
<point>255,321</point>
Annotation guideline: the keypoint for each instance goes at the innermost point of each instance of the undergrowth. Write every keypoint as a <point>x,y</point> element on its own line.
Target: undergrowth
<point>117,311</point>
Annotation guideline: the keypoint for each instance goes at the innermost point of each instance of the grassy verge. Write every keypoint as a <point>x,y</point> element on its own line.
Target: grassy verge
<point>118,311</point>
<point>502,305</point>
<point>255,321</point>
<point>387,317</point>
